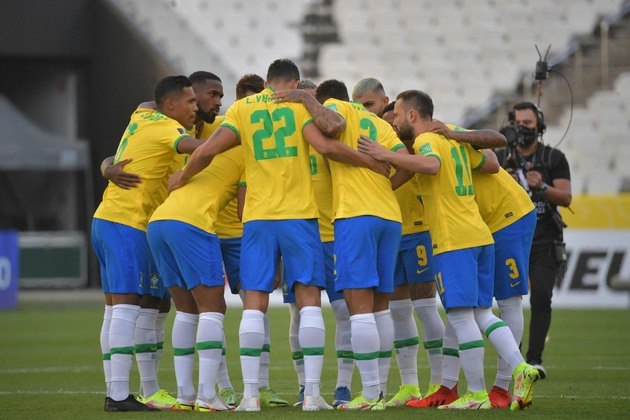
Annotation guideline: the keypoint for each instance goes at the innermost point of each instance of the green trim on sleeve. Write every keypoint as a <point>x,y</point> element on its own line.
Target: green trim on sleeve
<point>307,122</point>
<point>434,155</point>
<point>231,127</point>
<point>398,147</point>
<point>483,160</point>
<point>177,140</point>
<point>241,184</point>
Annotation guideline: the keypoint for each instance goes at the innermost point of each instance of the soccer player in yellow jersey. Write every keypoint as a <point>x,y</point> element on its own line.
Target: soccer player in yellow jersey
<point>279,219</point>
<point>462,243</point>
<point>151,141</point>
<point>186,248</point>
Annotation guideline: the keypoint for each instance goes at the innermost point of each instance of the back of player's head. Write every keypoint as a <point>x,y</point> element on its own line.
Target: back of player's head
<point>170,85</point>
<point>541,126</point>
<point>367,85</point>
<point>306,84</point>
<point>389,107</point>
<point>419,101</point>
<point>331,89</point>
<point>202,76</point>
<point>283,69</point>
<point>250,83</point>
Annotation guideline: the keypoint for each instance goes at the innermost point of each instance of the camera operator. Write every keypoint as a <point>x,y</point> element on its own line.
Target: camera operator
<point>544,172</point>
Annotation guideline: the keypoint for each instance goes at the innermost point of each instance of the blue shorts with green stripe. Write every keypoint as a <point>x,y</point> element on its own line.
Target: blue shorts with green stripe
<point>413,264</point>
<point>465,277</point>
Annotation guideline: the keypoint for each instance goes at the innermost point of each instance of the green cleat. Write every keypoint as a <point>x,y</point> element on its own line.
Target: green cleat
<point>268,398</point>
<point>161,400</point>
<point>477,400</point>
<point>229,396</point>
<point>525,376</point>
<point>361,403</point>
<point>432,389</point>
<point>405,394</point>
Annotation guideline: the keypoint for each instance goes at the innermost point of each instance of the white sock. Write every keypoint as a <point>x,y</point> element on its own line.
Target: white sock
<point>223,377</point>
<point>471,349</point>
<point>511,310</point>
<point>385,327</point>
<point>121,347</point>
<point>500,336</point>
<point>405,340</point>
<point>265,355</point>
<point>159,337</point>
<point>365,346</point>
<point>450,359</point>
<point>209,346</point>
<point>107,320</point>
<point>432,335</point>
<point>184,337</point>
<point>343,343</point>
<point>146,347</point>
<point>251,336</point>
<point>294,342</point>
<point>312,340</point>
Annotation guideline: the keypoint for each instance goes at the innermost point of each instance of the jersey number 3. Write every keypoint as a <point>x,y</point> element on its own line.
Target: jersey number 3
<point>280,149</point>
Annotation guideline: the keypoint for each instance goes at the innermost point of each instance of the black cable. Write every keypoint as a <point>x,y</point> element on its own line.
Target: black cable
<point>571,111</point>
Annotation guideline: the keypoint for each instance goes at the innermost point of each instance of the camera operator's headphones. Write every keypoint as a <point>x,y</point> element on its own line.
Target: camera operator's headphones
<point>541,126</point>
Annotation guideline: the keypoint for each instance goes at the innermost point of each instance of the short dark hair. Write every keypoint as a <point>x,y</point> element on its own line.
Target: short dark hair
<point>389,107</point>
<point>283,68</point>
<point>418,100</point>
<point>168,86</point>
<point>202,76</point>
<point>331,89</point>
<point>249,82</point>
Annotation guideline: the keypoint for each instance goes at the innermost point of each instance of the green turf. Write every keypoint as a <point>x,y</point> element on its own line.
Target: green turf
<point>50,366</point>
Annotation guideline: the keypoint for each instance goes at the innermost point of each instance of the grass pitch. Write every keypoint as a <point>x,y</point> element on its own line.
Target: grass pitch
<point>50,366</point>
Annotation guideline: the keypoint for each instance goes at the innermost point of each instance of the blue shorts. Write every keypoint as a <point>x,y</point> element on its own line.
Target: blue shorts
<point>231,252</point>
<point>185,255</point>
<point>413,264</point>
<point>156,285</point>
<point>465,277</point>
<point>366,248</point>
<point>296,240</point>
<point>124,257</point>
<point>512,246</point>
<point>329,265</point>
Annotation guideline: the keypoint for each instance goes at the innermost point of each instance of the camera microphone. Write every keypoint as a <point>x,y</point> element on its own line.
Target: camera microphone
<point>542,68</point>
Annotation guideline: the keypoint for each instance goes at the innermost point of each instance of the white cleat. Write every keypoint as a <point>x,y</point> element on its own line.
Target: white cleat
<point>315,404</point>
<point>215,404</point>
<point>248,404</point>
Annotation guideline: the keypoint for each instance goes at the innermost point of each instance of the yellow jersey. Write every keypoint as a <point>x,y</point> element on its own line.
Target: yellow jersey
<point>322,186</point>
<point>501,200</point>
<point>277,159</point>
<point>359,191</point>
<point>150,140</point>
<point>449,196</point>
<point>411,208</point>
<point>204,195</point>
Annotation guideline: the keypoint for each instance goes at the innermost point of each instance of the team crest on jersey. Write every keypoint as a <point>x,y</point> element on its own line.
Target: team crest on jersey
<point>425,149</point>
<point>155,280</point>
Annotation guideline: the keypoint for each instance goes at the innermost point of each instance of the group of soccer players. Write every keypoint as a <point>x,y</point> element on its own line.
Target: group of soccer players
<point>376,203</point>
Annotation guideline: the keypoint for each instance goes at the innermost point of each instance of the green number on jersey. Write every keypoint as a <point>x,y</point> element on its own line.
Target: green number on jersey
<point>279,150</point>
<point>368,126</point>
<point>131,128</point>
<point>313,165</point>
<point>461,166</point>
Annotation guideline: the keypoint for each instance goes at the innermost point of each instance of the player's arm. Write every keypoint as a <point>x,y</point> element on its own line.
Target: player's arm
<point>331,123</point>
<point>241,192</point>
<point>221,140</point>
<point>480,139</point>
<point>401,175</point>
<point>489,163</point>
<point>339,152</point>
<point>114,172</point>
<point>429,165</point>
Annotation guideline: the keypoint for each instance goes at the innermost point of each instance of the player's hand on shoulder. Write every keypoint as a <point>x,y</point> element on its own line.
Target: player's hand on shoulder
<point>438,127</point>
<point>125,180</point>
<point>175,181</point>
<point>372,148</point>
<point>289,95</point>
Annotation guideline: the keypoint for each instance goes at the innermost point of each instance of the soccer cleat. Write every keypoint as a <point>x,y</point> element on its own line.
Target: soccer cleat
<point>405,394</point>
<point>128,404</point>
<point>160,400</point>
<point>499,397</point>
<point>477,400</point>
<point>440,397</point>
<point>248,404</point>
<point>525,375</point>
<point>215,404</point>
<point>229,396</point>
<point>342,396</point>
<point>184,406</point>
<point>541,370</point>
<point>300,397</point>
<point>268,398</point>
<point>315,404</point>
<point>432,389</point>
<point>363,404</point>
